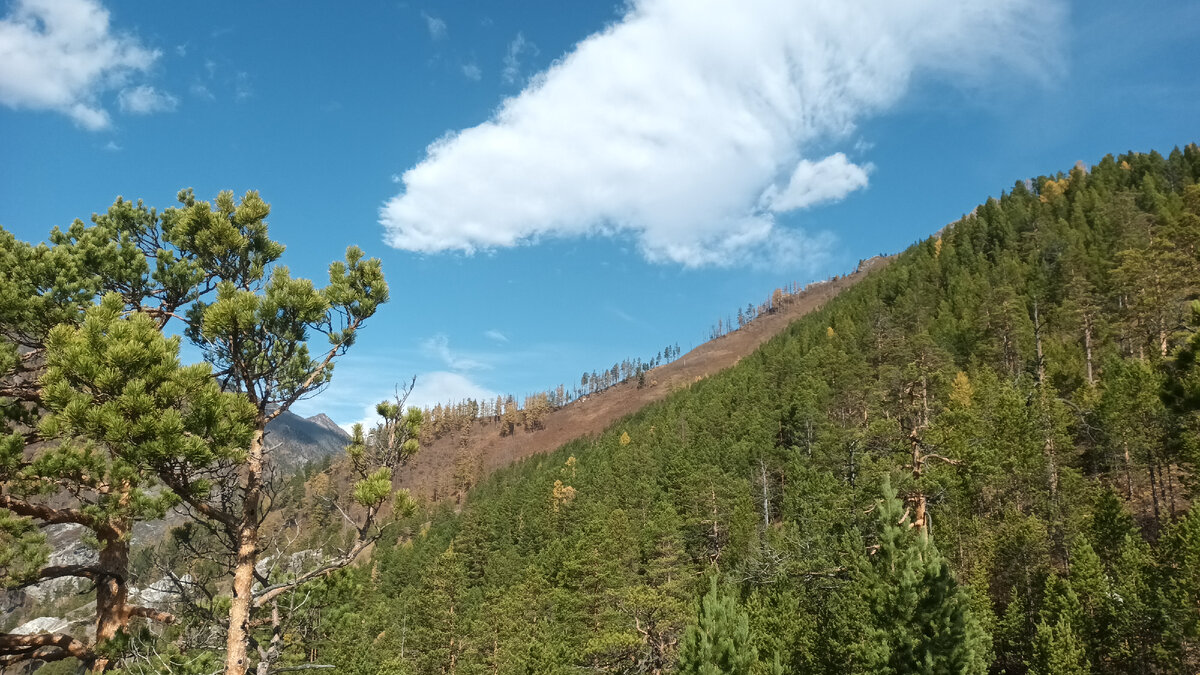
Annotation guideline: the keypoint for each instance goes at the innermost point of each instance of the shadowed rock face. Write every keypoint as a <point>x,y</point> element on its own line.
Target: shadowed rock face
<point>294,440</point>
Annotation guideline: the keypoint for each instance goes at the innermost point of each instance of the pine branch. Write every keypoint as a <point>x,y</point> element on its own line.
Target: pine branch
<point>60,571</point>
<point>42,647</point>
<point>46,514</point>
<point>152,614</point>
<point>312,377</point>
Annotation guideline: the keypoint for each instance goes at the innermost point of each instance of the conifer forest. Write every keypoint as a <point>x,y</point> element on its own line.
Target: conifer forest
<point>979,458</point>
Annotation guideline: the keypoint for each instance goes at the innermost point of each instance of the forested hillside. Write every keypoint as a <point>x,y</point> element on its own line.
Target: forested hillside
<point>979,459</point>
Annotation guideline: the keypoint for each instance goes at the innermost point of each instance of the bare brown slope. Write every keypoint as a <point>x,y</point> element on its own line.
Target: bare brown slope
<point>438,471</point>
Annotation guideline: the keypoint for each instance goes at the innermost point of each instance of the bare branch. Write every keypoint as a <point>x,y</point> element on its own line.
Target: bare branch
<point>265,595</point>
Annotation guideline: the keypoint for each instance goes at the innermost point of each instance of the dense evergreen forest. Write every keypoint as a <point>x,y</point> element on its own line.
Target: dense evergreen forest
<point>980,459</point>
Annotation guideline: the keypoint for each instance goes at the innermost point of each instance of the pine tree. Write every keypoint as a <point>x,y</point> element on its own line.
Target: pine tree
<point>1094,593</point>
<point>438,618</point>
<point>719,641</point>
<point>89,395</point>
<point>1057,645</point>
<point>1058,650</point>
<point>214,269</point>
<point>922,620</point>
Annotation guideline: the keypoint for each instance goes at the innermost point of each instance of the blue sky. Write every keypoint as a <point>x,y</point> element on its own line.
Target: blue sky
<point>556,186</point>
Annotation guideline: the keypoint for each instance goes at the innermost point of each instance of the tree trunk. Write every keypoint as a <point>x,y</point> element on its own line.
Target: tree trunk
<point>766,495</point>
<point>1051,467</point>
<point>1128,475</point>
<point>1037,338</point>
<point>268,656</point>
<point>917,499</point>
<point>238,640</point>
<point>112,590</point>
<point>919,502</point>
<point>1087,347</point>
<point>1154,487</point>
<point>1170,489</point>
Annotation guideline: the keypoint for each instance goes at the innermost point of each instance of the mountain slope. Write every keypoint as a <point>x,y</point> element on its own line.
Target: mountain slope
<point>451,464</point>
<point>1022,382</point>
<point>297,440</point>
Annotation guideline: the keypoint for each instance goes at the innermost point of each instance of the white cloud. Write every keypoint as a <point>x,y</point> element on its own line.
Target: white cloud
<point>496,335</point>
<point>61,55</point>
<point>144,100</point>
<point>112,146</point>
<point>431,389</point>
<point>472,72</point>
<point>436,26</point>
<point>445,387</point>
<point>681,124</point>
<point>829,179</point>
<point>512,58</point>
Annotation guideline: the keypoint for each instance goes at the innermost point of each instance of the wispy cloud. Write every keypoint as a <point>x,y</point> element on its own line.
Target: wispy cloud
<point>519,47</point>
<point>242,89</point>
<point>221,80</point>
<point>472,72</point>
<point>621,314</point>
<point>62,55</point>
<point>145,100</point>
<point>496,335</point>
<point>200,90</point>
<point>691,131</point>
<point>438,347</point>
<point>435,26</point>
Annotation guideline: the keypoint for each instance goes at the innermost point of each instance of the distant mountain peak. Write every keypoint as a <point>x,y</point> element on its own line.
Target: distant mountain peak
<point>297,440</point>
<point>327,422</point>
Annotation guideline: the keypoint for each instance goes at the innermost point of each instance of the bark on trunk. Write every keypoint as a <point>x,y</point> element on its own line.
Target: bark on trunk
<point>1087,347</point>
<point>1037,338</point>
<point>1128,475</point>
<point>1154,487</point>
<point>112,590</point>
<point>919,512</point>
<point>1052,467</point>
<point>238,641</point>
<point>917,499</point>
<point>1170,490</point>
<point>766,496</point>
<point>270,655</point>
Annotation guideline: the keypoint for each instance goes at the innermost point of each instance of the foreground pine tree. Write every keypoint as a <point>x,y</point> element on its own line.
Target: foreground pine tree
<point>98,412</point>
<point>719,642</point>
<point>920,618</point>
